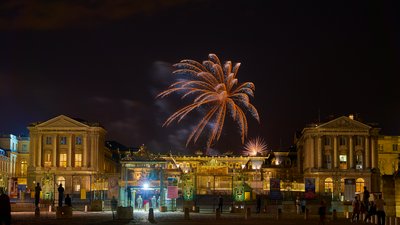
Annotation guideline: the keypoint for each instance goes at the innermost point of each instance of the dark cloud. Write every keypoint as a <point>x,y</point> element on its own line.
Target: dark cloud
<point>56,14</point>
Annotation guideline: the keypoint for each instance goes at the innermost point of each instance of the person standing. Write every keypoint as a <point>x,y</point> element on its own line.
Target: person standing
<point>356,209</point>
<point>154,202</point>
<point>298,206</point>
<point>322,213</point>
<point>366,199</point>
<point>60,195</point>
<point>139,202</point>
<point>114,204</point>
<point>68,201</point>
<point>38,189</point>
<point>258,203</point>
<point>220,203</point>
<point>303,205</point>
<point>380,210</point>
<point>5,208</point>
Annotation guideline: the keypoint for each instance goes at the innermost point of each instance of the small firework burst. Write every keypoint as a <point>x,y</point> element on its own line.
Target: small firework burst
<point>255,146</point>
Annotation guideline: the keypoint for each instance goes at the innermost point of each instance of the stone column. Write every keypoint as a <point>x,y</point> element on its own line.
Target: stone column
<point>33,150</point>
<point>312,150</point>
<point>39,151</point>
<point>69,150</point>
<point>54,152</point>
<point>367,150</point>
<point>92,150</point>
<point>335,152</point>
<point>319,146</point>
<point>84,156</point>
<point>374,156</point>
<point>351,153</point>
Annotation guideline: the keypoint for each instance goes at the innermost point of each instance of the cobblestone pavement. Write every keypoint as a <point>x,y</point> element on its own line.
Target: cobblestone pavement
<point>105,218</point>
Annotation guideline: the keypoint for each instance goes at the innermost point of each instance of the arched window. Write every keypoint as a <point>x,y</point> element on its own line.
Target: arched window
<point>61,180</point>
<point>360,183</point>
<point>328,184</point>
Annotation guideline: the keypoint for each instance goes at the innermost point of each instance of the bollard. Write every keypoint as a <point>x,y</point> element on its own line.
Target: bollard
<point>187,213</point>
<point>247,214</point>
<point>391,220</point>
<point>151,215</point>
<point>217,214</point>
<point>396,221</point>
<point>85,208</point>
<point>375,219</point>
<point>49,208</point>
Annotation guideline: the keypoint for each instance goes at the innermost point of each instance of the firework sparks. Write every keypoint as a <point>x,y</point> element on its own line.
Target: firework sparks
<point>255,146</point>
<point>215,88</point>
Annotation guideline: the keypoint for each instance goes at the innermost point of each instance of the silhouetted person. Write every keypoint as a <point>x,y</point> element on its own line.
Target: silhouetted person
<point>220,203</point>
<point>380,210</point>
<point>5,208</point>
<point>258,203</point>
<point>60,195</point>
<point>366,199</point>
<point>38,189</point>
<point>114,204</point>
<point>68,201</point>
<point>322,213</point>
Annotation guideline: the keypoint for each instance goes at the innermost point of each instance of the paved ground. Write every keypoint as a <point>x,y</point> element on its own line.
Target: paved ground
<point>105,218</point>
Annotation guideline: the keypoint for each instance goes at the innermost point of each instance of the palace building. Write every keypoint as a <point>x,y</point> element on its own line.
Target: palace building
<point>70,152</point>
<point>339,149</point>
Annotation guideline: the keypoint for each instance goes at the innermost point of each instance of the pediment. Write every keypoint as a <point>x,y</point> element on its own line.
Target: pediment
<point>62,121</point>
<point>344,123</point>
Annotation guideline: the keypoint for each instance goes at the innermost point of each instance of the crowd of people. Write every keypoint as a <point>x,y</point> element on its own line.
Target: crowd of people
<point>369,208</point>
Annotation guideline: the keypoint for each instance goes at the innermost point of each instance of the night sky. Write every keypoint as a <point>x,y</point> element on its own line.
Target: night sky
<point>105,61</point>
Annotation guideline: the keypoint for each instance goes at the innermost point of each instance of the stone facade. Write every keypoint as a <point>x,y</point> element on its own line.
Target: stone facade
<point>71,152</point>
<point>342,148</point>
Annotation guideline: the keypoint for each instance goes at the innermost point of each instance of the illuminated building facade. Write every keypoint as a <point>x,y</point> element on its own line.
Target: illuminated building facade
<point>146,175</point>
<point>71,152</point>
<point>342,148</point>
<point>389,153</point>
<point>8,155</point>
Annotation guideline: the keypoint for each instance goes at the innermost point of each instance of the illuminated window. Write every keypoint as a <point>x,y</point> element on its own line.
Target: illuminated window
<point>77,187</point>
<point>63,140</point>
<point>48,140</point>
<point>395,147</point>
<point>63,160</point>
<point>78,160</point>
<point>342,185</point>
<point>360,183</point>
<point>359,160</point>
<point>78,140</point>
<point>47,160</point>
<point>328,184</point>
<point>343,161</point>
<point>24,167</point>
<point>61,180</point>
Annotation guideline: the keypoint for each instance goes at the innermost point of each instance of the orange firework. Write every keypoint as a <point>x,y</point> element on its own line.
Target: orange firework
<point>255,146</point>
<point>215,88</point>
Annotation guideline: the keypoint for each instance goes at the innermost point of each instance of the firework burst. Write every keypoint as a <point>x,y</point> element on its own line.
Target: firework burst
<point>255,146</point>
<point>215,88</point>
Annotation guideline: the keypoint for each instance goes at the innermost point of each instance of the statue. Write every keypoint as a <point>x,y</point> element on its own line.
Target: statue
<point>139,202</point>
<point>154,202</point>
<point>38,189</point>
<point>60,195</point>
